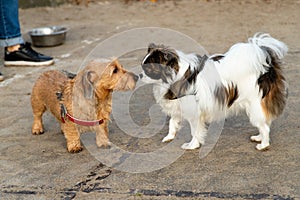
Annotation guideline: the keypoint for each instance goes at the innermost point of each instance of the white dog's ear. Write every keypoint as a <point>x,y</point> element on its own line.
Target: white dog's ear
<point>180,88</point>
<point>177,89</point>
<point>88,81</point>
<point>151,46</point>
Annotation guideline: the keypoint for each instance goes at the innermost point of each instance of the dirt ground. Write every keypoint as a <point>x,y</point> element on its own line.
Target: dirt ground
<point>39,167</point>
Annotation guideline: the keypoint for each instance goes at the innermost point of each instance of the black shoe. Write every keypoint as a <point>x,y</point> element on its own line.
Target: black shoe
<point>1,77</point>
<point>26,56</point>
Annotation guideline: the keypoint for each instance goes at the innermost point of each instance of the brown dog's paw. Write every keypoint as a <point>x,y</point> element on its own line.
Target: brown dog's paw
<point>37,127</point>
<point>74,146</point>
<point>104,145</point>
<point>75,149</point>
<point>37,131</point>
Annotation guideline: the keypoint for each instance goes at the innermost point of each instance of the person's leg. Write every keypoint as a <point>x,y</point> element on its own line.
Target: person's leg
<point>17,53</point>
<point>10,34</point>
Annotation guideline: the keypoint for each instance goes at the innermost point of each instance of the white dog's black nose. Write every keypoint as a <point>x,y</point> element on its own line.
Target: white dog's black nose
<point>141,75</point>
<point>136,78</point>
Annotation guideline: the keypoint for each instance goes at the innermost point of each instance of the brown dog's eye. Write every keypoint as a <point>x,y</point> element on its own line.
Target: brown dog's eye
<point>115,70</point>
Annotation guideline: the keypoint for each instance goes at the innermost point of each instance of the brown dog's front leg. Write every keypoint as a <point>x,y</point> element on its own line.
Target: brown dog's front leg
<point>37,126</point>
<point>102,135</point>
<point>72,136</point>
<point>38,108</point>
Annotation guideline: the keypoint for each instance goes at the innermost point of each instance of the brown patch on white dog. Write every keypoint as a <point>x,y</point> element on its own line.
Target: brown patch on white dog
<point>226,95</point>
<point>273,87</point>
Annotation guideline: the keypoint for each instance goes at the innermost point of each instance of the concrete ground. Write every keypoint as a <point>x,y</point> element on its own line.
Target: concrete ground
<point>39,167</point>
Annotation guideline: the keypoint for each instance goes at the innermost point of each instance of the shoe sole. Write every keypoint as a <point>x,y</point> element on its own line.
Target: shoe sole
<point>28,63</point>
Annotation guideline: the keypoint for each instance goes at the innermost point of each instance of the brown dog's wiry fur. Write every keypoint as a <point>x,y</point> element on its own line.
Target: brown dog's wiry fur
<point>88,96</point>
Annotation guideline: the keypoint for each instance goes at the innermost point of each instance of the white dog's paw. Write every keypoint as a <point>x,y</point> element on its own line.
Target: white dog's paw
<point>256,138</point>
<point>168,138</point>
<point>262,147</point>
<point>190,145</point>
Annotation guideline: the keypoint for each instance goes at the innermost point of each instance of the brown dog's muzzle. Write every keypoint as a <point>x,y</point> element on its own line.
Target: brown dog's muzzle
<point>127,81</point>
<point>132,83</point>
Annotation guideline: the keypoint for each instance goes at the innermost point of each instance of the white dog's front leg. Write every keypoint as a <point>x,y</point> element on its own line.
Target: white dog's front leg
<point>198,132</point>
<point>174,126</point>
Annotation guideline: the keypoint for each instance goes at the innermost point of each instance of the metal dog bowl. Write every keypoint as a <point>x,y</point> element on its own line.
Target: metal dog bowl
<point>48,36</point>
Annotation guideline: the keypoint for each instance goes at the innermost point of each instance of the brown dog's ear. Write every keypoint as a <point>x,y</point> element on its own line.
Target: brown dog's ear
<point>114,67</point>
<point>88,81</point>
<point>115,62</point>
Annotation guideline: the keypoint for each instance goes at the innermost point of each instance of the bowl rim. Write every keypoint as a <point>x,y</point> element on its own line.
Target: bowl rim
<point>62,30</point>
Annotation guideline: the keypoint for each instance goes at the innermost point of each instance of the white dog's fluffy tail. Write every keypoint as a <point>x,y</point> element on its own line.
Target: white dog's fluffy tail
<point>255,56</point>
<point>272,83</point>
<point>265,40</point>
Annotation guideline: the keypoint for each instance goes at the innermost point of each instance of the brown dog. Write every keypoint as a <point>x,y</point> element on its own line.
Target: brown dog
<point>82,103</point>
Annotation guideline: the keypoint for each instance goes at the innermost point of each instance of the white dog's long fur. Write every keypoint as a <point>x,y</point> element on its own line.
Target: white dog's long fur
<point>247,77</point>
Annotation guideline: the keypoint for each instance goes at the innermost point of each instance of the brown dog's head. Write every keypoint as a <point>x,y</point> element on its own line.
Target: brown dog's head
<point>98,78</point>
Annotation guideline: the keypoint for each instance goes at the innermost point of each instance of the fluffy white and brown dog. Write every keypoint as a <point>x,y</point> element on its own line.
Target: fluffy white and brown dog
<point>248,77</point>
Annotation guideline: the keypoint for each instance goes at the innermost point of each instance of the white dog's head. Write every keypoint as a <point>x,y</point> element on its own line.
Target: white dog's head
<point>171,67</point>
<point>160,65</point>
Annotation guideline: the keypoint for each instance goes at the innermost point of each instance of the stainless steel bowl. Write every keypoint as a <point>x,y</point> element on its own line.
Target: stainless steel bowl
<point>48,36</point>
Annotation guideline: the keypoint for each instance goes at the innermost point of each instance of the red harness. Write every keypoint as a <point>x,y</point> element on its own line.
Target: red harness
<point>64,114</point>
